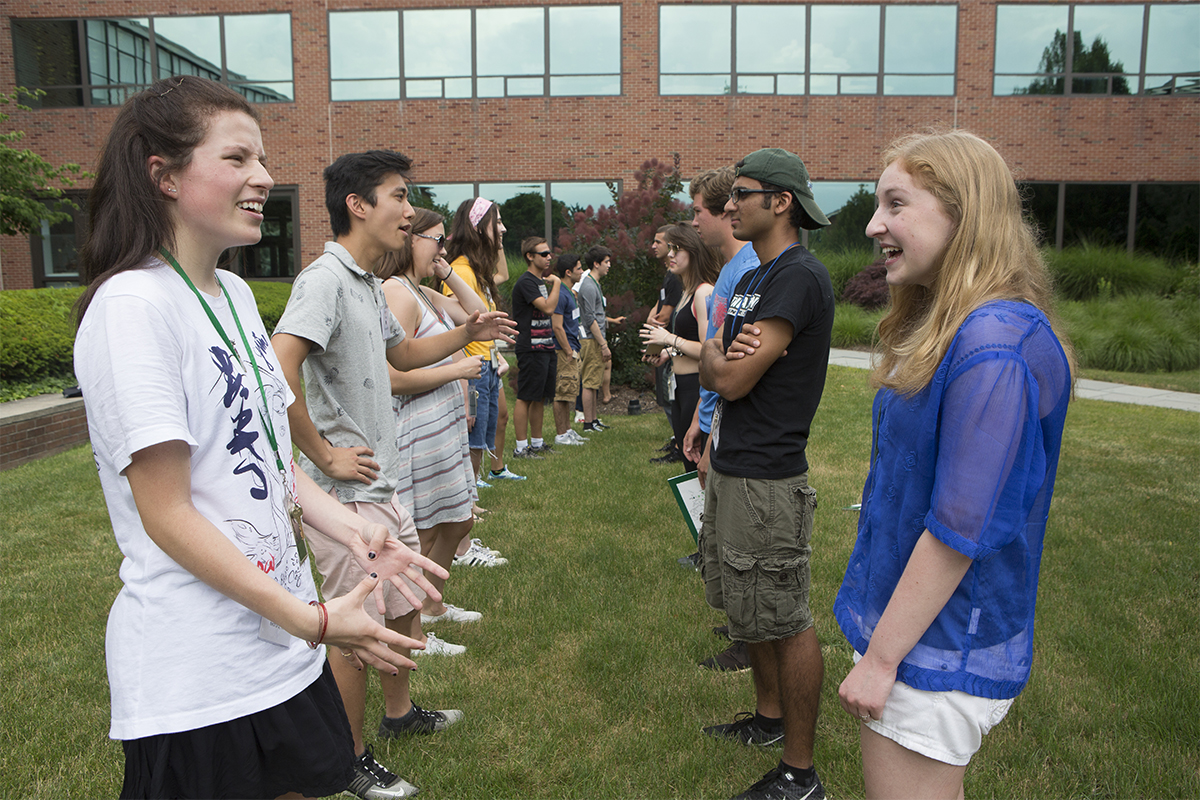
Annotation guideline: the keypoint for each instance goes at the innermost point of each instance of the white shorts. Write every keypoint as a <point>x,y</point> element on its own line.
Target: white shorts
<point>945,726</point>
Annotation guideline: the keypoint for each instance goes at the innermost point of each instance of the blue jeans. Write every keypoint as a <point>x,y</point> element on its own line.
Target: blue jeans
<point>483,434</point>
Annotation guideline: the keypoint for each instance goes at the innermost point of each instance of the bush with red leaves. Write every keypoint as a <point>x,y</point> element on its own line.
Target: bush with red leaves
<point>868,288</point>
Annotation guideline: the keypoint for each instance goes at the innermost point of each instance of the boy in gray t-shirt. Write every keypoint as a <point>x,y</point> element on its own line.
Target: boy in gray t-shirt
<point>337,327</point>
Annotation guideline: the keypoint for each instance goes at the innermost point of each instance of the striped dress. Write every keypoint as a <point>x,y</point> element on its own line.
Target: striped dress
<point>436,482</point>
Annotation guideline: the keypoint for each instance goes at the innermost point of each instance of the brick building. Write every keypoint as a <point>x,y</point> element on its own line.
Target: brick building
<point>557,99</point>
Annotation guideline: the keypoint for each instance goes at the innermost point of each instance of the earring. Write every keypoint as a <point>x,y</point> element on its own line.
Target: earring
<point>171,190</point>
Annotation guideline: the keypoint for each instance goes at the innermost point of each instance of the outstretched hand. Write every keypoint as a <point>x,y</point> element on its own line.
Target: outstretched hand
<point>490,325</point>
<point>385,557</point>
<point>352,630</point>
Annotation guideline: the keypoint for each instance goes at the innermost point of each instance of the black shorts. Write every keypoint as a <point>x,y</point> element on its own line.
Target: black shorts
<point>536,375</point>
<point>301,745</point>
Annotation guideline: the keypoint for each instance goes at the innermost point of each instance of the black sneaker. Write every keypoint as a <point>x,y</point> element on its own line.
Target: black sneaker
<point>600,426</point>
<point>668,447</point>
<point>733,659</point>
<point>689,562</point>
<point>722,631</point>
<point>745,729</point>
<point>780,784</point>
<point>418,720</point>
<point>528,452</point>
<point>673,457</point>
<point>543,449</point>
<point>373,781</point>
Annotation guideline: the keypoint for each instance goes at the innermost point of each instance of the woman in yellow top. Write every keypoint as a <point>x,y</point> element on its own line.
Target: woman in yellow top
<point>476,254</point>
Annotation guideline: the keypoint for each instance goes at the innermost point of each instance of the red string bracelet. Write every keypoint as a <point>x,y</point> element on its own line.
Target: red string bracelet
<point>323,623</point>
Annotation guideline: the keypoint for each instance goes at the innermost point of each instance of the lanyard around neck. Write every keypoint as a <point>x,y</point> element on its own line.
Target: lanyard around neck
<point>755,281</point>
<point>216,323</point>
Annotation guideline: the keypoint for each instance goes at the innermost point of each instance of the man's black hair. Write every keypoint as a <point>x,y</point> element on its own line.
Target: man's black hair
<point>596,255</point>
<point>360,174</point>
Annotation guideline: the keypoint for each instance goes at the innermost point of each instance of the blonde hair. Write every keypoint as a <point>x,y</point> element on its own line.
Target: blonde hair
<point>992,255</point>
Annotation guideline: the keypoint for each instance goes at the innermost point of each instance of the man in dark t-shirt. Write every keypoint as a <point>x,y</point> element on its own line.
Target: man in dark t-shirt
<point>532,305</point>
<point>758,511</point>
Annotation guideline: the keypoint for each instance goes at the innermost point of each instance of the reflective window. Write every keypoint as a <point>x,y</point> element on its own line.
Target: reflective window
<point>119,57</point>
<point>480,52</point>
<point>1105,53</point>
<point>1040,204</point>
<point>54,251</point>
<point>1096,214</point>
<point>274,257</point>
<point>807,49</point>
<point>1168,220</point>
<point>523,205</point>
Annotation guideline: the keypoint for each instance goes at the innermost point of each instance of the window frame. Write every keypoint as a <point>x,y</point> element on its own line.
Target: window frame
<point>236,257</point>
<point>880,75</point>
<point>1069,76</point>
<point>86,87</point>
<point>547,76</point>
<point>37,243</point>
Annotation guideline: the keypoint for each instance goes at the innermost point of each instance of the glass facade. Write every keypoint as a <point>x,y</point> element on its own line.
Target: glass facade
<point>1150,49</point>
<point>532,51</point>
<point>807,49</point>
<point>101,62</point>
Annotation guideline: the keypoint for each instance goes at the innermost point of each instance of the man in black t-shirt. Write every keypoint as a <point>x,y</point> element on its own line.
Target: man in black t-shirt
<point>532,305</point>
<point>758,511</point>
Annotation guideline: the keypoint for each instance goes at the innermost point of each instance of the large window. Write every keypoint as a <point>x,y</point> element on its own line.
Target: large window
<point>101,62</point>
<point>532,51</point>
<point>275,255</point>
<point>55,249</point>
<point>1158,218</point>
<point>1148,49</point>
<point>807,49</point>
<point>528,208</point>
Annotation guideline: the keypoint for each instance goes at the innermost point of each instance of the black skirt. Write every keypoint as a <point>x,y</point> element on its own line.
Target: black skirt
<point>301,745</point>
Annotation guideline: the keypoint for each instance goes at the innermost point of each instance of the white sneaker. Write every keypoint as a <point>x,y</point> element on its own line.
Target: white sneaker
<point>579,416</point>
<point>439,647</point>
<point>575,435</point>
<point>477,556</point>
<point>566,439</point>
<point>479,543</point>
<point>452,614</point>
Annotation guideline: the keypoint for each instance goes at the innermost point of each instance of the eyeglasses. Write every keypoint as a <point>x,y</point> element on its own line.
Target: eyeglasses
<point>672,249</point>
<point>543,255</point>
<point>738,193</point>
<point>440,239</point>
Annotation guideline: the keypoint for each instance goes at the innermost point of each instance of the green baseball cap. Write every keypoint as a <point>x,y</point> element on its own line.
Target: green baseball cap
<point>777,166</point>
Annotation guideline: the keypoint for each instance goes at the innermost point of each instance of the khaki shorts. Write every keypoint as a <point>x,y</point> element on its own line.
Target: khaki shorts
<point>754,548</point>
<point>340,572</point>
<point>566,385</point>
<point>592,364</point>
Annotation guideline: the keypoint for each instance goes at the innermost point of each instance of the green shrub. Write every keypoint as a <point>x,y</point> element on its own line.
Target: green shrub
<point>1135,333</point>
<point>36,333</point>
<point>844,265</point>
<point>1082,273</point>
<point>853,326</point>
<point>271,298</point>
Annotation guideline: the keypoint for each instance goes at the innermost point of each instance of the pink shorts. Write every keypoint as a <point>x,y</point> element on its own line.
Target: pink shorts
<point>340,572</point>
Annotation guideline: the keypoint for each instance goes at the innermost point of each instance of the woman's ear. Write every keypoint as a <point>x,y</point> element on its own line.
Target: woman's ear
<point>157,166</point>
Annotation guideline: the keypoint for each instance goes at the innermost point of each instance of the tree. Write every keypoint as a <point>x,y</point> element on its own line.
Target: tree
<point>524,215</point>
<point>27,191</point>
<point>849,225</point>
<point>627,228</point>
<point>1095,59</point>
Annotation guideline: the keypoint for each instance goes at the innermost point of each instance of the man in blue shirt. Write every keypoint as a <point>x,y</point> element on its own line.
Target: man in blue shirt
<point>565,324</point>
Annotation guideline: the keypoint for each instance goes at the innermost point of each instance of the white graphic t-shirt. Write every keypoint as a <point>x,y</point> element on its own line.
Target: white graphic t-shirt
<point>153,369</point>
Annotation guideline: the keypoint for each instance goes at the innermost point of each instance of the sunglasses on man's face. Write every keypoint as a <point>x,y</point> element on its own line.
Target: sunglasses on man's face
<point>739,193</point>
<point>543,255</point>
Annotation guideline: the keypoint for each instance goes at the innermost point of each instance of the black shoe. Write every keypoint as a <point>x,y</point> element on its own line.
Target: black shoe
<point>745,729</point>
<point>527,453</point>
<point>668,447</point>
<point>600,426</point>
<point>734,659</point>
<point>780,784</point>
<point>543,449</point>
<point>418,720</point>
<point>689,562</point>
<point>673,457</point>
<point>722,631</point>
<point>373,781</point>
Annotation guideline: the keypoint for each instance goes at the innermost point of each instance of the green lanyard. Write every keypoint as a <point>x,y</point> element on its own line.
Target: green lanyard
<point>228,343</point>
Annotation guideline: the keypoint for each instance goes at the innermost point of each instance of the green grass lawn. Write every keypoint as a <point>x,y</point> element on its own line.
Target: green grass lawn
<point>581,680</point>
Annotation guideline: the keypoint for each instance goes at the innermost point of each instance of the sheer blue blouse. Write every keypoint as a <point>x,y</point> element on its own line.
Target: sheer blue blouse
<point>971,458</point>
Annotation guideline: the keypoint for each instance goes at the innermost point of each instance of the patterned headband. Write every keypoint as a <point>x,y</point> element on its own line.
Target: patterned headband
<point>480,208</point>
